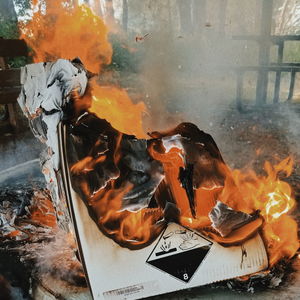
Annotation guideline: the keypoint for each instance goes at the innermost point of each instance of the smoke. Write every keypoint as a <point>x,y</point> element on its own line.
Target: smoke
<point>57,258</point>
<point>188,75</point>
<point>18,149</point>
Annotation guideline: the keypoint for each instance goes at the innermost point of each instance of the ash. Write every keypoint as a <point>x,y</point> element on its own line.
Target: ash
<point>32,247</point>
<point>278,276</point>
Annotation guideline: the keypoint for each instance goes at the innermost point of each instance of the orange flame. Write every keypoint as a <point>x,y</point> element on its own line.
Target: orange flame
<point>273,197</point>
<point>62,30</point>
<point>243,191</point>
<point>67,32</point>
<point>134,230</point>
<point>114,105</point>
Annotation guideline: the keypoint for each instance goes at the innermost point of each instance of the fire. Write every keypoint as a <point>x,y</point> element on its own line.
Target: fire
<point>61,30</point>
<point>133,230</point>
<point>64,31</point>
<point>248,191</point>
<point>244,191</point>
<point>114,105</point>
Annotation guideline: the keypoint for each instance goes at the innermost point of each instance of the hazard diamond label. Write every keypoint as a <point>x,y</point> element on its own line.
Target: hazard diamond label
<point>179,252</point>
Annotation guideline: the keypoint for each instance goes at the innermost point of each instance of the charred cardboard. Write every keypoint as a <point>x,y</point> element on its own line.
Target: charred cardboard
<point>179,258</point>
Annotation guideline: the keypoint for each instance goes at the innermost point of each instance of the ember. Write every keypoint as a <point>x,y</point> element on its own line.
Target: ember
<point>31,241</point>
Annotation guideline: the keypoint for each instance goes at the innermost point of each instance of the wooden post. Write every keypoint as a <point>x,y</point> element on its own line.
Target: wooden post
<point>278,73</point>
<point>239,89</point>
<point>185,15</point>
<point>11,108</point>
<point>292,86</point>
<point>125,15</point>
<point>222,17</point>
<point>264,51</point>
<point>199,16</point>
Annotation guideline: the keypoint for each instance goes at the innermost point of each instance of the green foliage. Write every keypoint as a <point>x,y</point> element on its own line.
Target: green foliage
<point>125,57</point>
<point>292,52</point>
<point>9,29</point>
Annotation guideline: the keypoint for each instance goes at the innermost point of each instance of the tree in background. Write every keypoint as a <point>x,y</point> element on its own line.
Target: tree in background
<point>98,8</point>
<point>110,13</point>
<point>287,20</point>
<point>125,15</point>
<point>222,16</point>
<point>7,11</point>
<point>185,15</point>
<point>199,15</point>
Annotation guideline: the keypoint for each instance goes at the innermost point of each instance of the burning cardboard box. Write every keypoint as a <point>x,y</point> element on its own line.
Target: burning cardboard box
<point>152,215</point>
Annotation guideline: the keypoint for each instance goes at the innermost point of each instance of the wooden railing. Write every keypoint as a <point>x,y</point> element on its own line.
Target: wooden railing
<point>278,69</point>
<point>265,67</point>
<point>10,78</point>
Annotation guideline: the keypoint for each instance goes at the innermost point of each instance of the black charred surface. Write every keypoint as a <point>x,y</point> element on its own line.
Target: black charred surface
<point>17,274</point>
<point>186,179</point>
<point>95,137</point>
<point>201,151</point>
<point>128,166</point>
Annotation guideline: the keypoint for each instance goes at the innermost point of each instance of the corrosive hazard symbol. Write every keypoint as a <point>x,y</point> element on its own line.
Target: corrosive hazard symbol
<point>179,252</point>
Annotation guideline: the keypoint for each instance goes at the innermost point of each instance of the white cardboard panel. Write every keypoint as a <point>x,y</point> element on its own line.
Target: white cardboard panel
<point>119,273</point>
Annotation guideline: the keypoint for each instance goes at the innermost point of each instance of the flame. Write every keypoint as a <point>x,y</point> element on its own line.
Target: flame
<point>42,211</point>
<point>243,191</point>
<point>61,30</point>
<point>114,105</point>
<point>247,191</point>
<point>133,230</point>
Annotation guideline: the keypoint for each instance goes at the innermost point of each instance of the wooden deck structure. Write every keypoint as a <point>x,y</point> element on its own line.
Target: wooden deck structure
<point>10,80</point>
<point>265,40</point>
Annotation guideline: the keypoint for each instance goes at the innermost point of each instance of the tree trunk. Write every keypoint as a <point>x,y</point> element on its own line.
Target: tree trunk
<point>199,15</point>
<point>109,13</point>
<point>258,6</point>
<point>7,10</point>
<point>222,17</point>
<point>185,15</point>
<point>125,15</point>
<point>170,20</point>
<point>98,8</point>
